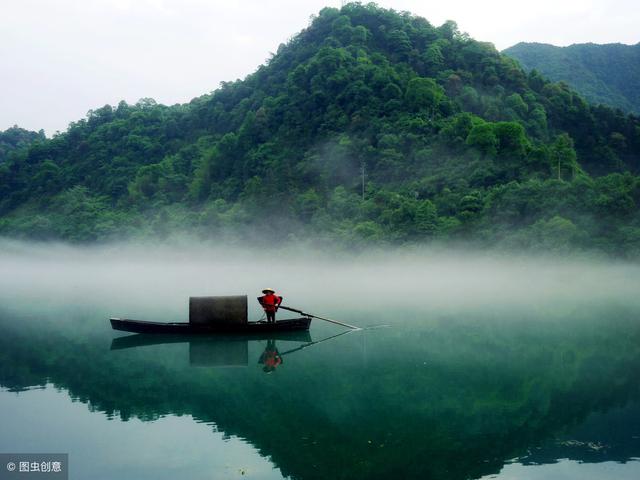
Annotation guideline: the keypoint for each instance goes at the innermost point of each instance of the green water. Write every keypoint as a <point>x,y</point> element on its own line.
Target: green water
<point>491,390</point>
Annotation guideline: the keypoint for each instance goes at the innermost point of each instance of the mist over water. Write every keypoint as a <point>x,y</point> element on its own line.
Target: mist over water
<point>150,279</point>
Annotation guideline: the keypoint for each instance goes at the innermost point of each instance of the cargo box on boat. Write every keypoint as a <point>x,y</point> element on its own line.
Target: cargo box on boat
<point>228,310</point>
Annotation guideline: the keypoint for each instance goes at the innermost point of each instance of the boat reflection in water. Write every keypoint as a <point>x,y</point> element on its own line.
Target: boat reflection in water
<point>224,351</point>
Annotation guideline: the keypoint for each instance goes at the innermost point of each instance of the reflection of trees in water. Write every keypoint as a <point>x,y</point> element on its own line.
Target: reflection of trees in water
<point>611,435</point>
<point>453,401</point>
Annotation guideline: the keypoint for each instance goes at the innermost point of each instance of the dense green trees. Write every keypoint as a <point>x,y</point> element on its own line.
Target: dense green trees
<point>608,74</point>
<point>15,138</point>
<point>451,139</point>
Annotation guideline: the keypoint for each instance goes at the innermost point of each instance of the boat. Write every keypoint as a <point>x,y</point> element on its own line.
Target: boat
<point>190,328</point>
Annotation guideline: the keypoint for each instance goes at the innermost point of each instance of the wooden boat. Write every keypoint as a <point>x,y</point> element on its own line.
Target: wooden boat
<point>248,328</point>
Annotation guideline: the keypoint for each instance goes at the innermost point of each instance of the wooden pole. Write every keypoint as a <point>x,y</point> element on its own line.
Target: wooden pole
<point>352,327</point>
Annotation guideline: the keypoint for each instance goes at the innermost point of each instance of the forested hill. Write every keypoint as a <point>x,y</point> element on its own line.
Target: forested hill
<point>608,74</point>
<point>16,138</point>
<point>455,140</point>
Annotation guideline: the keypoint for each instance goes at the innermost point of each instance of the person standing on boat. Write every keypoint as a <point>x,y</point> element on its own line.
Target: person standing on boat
<point>270,303</point>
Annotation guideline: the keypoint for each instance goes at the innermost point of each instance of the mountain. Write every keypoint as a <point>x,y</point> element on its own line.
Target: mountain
<point>608,74</point>
<point>369,126</point>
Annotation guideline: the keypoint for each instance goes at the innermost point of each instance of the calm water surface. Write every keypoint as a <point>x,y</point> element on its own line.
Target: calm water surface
<point>514,383</point>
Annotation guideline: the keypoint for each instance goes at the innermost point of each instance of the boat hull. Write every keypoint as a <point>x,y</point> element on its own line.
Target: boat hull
<point>185,328</point>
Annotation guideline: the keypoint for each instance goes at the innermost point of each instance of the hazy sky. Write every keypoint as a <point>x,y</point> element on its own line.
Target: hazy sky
<point>60,58</point>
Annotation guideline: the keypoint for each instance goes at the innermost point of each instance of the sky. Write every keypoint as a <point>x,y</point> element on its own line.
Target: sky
<point>61,58</point>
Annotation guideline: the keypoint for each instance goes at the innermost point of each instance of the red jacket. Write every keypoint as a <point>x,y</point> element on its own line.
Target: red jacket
<point>270,302</point>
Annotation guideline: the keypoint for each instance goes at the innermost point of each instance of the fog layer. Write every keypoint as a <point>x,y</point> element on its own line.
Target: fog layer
<point>145,282</point>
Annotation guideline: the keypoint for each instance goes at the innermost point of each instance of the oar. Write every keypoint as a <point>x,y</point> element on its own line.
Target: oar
<point>321,318</point>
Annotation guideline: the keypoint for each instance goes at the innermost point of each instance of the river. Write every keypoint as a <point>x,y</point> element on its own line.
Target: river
<point>469,366</point>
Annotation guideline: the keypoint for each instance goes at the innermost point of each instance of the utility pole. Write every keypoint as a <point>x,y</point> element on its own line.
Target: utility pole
<point>362,170</point>
<point>558,154</point>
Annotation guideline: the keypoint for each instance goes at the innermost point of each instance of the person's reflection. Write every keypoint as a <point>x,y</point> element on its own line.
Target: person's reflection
<point>270,358</point>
